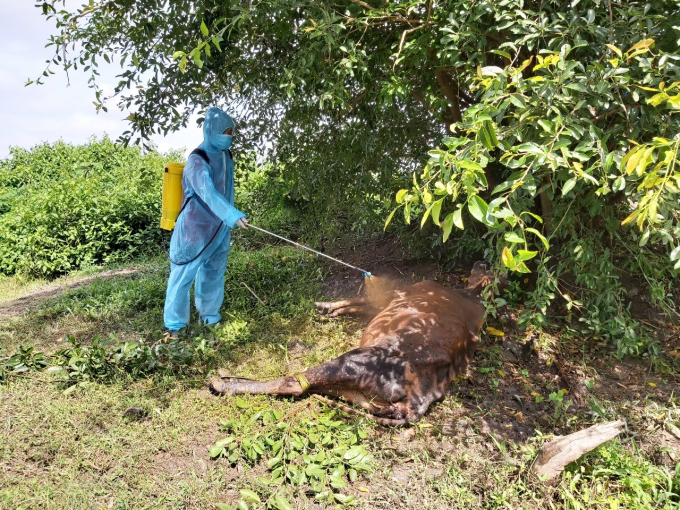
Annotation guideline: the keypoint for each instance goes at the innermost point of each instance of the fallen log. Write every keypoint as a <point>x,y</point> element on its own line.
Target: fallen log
<point>562,450</point>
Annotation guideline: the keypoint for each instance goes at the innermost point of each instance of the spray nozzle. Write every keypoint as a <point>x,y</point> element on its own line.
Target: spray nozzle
<point>368,275</point>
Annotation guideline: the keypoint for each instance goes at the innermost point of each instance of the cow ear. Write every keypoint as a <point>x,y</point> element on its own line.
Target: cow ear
<point>480,266</point>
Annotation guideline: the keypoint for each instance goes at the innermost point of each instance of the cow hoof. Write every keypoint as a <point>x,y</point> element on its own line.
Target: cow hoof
<point>218,386</point>
<point>323,307</point>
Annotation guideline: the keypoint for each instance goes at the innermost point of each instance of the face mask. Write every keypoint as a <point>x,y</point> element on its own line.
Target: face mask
<point>221,142</point>
<point>216,123</point>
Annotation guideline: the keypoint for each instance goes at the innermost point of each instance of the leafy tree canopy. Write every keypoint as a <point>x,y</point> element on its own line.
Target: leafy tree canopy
<point>552,124</point>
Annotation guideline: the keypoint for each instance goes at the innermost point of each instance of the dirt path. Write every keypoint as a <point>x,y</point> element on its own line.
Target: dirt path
<point>19,306</point>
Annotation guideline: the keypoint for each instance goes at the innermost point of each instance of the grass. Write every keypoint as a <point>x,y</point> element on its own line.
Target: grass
<point>66,446</point>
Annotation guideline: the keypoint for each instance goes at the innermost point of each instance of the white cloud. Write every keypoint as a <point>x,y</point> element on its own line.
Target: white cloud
<point>53,111</point>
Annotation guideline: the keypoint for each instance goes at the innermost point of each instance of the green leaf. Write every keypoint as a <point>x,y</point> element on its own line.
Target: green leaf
<point>425,216</point>
<point>568,186</point>
<point>469,165</point>
<point>242,505</point>
<point>546,125</point>
<point>458,218</point>
<point>522,268</point>
<point>675,254</point>
<point>204,28</point>
<point>314,470</point>
<point>518,100</point>
<point>389,218</point>
<point>576,86</point>
<point>478,208</point>
<point>250,496</point>
<point>70,389</point>
<point>513,237</point>
<point>400,195</point>
<point>530,147</point>
<point>341,498</point>
<point>526,255</point>
<point>216,451</point>
<point>540,236</point>
<point>447,226</point>
<point>282,503</point>
<point>436,210</point>
<point>487,135</point>
<point>223,506</point>
<point>242,404</point>
<point>353,452</point>
<point>534,216</point>
<point>619,183</point>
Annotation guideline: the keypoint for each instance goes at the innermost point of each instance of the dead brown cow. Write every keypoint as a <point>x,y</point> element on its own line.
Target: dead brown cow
<point>409,353</point>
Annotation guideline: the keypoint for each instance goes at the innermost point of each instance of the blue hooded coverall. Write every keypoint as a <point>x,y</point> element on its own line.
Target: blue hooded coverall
<point>200,242</point>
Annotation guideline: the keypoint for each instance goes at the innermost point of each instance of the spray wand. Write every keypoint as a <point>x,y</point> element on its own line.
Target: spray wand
<point>366,273</point>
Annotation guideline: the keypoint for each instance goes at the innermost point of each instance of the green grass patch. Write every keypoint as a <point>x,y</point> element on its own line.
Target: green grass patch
<point>113,326</point>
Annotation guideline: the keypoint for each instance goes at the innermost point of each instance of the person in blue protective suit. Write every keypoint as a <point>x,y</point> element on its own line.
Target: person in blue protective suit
<point>200,242</point>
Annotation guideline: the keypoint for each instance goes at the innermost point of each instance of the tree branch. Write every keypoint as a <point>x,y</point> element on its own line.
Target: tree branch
<point>450,89</point>
<point>363,4</point>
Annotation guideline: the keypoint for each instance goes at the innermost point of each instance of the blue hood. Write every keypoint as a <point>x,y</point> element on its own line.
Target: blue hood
<point>216,121</point>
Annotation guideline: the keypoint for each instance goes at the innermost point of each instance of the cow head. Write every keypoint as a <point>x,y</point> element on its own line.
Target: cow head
<point>482,275</point>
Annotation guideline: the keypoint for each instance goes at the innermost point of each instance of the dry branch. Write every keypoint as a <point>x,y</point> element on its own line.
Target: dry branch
<point>561,450</point>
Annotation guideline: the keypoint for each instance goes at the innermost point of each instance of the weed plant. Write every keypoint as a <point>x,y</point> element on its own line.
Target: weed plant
<point>315,455</point>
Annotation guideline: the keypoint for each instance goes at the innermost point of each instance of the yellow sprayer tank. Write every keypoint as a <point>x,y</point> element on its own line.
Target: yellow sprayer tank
<point>173,194</point>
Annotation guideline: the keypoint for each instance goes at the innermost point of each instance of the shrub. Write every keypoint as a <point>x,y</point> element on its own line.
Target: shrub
<point>63,206</point>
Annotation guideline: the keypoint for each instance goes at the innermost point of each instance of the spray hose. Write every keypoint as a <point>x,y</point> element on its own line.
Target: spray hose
<point>366,273</point>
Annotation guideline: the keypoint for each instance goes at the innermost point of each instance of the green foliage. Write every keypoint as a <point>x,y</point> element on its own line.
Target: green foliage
<point>321,454</point>
<point>262,193</point>
<point>65,207</point>
<point>105,360</point>
<point>24,360</point>
<point>555,133</point>
<point>272,199</point>
<point>560,404</point>
<point>611,475</point>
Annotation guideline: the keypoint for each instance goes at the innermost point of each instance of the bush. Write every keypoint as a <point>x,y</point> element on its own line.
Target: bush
<point>63,206</point>
<point>569,160</point>
<point>272,199</point>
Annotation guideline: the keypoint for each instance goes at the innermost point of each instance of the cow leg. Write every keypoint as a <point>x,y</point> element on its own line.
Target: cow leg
<point>349,310</point>
<point>372,405</point>
<point>288,385</point>
<point>335,308</point>
<point>371,377</point>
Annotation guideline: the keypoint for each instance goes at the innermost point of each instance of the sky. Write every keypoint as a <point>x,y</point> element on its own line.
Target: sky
<point>55,111</point>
